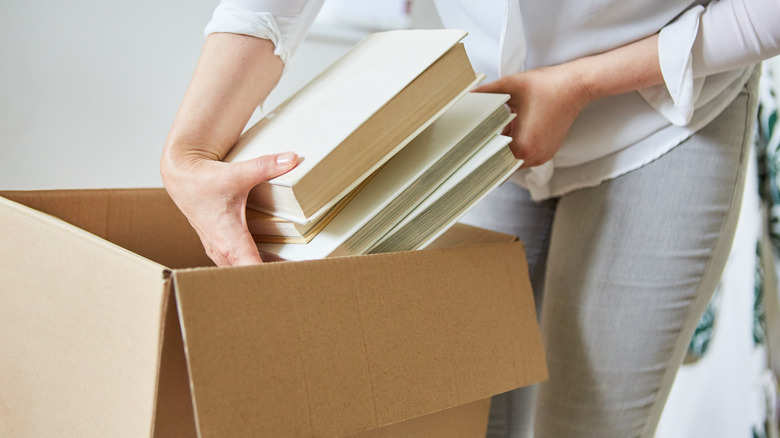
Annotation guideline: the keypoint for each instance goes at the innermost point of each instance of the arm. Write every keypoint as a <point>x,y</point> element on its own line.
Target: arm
<point>736,33</point>
<point>547,100</point>
<point>241,61</point>
<point>234,74</point>
<point>728,34</point>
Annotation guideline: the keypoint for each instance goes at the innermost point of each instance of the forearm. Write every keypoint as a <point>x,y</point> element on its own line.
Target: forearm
<point>234,75</point>
<point>621,70</point>
<point>732,34</point>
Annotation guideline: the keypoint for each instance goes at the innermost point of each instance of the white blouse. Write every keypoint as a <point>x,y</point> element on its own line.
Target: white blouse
<point>707,51</point>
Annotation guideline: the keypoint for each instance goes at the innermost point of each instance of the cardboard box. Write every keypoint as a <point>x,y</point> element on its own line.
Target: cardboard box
<point>115,323</point>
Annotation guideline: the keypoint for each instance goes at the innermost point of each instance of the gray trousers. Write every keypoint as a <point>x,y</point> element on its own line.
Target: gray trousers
<point>621,274</point>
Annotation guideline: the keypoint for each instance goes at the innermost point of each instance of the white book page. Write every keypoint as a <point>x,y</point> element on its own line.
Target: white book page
<point>491,148</point>
<point>397,175</point>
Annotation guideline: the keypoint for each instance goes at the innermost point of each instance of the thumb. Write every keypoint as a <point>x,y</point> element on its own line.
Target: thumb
<point>257,170</point>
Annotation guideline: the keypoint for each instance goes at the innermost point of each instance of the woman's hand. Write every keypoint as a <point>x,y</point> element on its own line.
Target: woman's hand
<point>213,196</point>
<point>235,73</point>
<point>545,101</point>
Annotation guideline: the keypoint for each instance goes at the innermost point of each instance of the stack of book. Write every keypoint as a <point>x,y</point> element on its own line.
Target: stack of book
<point>393,150</point>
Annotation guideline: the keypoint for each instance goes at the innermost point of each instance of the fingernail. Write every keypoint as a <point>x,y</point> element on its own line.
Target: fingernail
<point>285,159</point>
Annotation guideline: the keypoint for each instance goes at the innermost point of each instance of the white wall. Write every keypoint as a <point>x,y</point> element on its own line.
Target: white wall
<point>88,89</point>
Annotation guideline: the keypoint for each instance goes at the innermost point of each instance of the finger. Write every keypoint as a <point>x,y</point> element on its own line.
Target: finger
<point>528,163</point>
<point>246,252</point>
<point>253,172</point>
<point>535,159</point>
<point>531,156</point>
<point>234,248</point>
<point>497,86</point>
<point>225,236</point>
<point>509,129</point>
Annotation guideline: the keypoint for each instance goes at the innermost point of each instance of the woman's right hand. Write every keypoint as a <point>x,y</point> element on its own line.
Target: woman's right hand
<point>213,196</point>
<point>234,74</point>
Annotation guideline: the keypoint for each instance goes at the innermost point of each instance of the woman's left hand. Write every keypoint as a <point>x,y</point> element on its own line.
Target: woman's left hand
<point>545,101</point>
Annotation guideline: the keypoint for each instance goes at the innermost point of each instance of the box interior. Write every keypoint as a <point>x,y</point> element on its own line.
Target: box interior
<point>144,221</point>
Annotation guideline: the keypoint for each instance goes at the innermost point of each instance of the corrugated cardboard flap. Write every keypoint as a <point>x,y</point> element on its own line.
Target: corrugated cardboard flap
<point>332,347</point>
<point>144,221</point>
<point>464,421</point>
<point>80,333</point>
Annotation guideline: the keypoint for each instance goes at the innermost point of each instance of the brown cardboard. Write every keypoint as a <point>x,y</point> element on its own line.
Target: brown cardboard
<point>116,325</point>
<point>465,421</point>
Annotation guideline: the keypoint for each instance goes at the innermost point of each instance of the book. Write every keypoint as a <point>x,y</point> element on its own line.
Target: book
<point>354,116</point>
<point>490,166</point>
<point>425,164</point>
<point>432,156</point>
<point>266,227</point>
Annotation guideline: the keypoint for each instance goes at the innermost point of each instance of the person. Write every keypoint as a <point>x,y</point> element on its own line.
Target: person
<point>633,121</point>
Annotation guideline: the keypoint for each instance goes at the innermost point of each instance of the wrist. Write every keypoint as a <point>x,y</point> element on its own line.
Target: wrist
<point>583,80</point>
<point>179,160</point>
<point>620,70</point>
<point>170,167</point>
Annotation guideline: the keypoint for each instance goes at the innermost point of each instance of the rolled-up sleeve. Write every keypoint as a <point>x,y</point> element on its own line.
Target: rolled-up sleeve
<point>725,36</point>
<point>283,22</point>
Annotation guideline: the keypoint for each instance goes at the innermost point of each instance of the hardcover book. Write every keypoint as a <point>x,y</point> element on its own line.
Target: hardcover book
<point>354,116</point>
